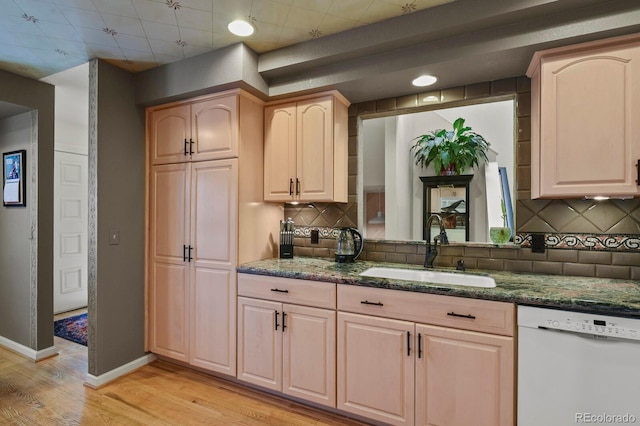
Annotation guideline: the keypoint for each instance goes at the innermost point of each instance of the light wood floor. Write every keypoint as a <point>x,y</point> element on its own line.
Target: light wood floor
<point>51,392</point>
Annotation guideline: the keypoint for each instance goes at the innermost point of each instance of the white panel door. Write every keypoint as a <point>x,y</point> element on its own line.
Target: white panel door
<point>70,231</point>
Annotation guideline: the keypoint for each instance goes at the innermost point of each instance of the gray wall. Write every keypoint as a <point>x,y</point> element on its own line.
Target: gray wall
<point>224,68</point>
<point>15,288</point>
<point>36,328</point>
<point>116,194</point>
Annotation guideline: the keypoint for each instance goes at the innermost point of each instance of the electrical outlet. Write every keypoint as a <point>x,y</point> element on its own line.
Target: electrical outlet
<point>114,237</point>
<point>537,243</point>
<point>315,236</point>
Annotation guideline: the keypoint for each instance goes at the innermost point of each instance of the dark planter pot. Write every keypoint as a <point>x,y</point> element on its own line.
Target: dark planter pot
<point>448,171</point>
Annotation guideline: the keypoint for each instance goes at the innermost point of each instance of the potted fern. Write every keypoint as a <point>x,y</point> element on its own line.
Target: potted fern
<point>450,151</point>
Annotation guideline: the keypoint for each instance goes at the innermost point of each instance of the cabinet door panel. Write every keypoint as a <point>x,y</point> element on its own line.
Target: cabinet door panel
<point>315,149</point>
<point>168,129</point>
<point>214,125</point>
<point>213,311</point>
<point>213,213</point>
<point>464,378</point>
<point>259,343</point>
<point>588,102</point>
<point>169,272</point>
<point>375,368</point>
<point>308,354</point>
<point>169,321</point>
<point>169,192</point>
<point>280,152</point>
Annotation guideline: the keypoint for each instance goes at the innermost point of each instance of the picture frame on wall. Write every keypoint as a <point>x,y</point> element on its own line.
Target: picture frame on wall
<point>14,183</point>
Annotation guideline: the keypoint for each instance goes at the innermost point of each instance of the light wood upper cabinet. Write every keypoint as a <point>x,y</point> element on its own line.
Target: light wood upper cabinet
<point>280,152</point>
<point>585,138</point>
<point>306,149</point>
<point>314,151</point>
<point>169,131</point>
<point>214,128</point>
<point>206,129</point>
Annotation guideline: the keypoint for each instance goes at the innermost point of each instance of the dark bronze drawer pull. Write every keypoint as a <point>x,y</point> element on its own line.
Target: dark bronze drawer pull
<point>279,291</point>
<point>366,302</point>
<point>453,314</point>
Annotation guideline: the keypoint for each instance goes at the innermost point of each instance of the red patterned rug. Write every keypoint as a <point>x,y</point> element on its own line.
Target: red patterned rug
<point>72,328</point>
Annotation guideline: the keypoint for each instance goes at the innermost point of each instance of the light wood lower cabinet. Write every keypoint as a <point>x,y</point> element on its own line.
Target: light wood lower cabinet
<point>376,368</point>
<point>193,263</point>
<point>395,357</point>
<point>403,372</point>
<point>463,378</point>
<point>287,347</point>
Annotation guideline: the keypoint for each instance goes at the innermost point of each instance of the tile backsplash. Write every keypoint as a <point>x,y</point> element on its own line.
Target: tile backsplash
<point>571,226</point>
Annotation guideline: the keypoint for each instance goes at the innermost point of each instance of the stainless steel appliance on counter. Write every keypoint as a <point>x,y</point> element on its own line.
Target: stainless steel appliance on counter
<point>577,368</point>
<point>348,245</point>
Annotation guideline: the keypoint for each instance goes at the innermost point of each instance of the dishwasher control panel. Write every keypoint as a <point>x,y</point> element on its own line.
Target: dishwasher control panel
<point>577,322</point>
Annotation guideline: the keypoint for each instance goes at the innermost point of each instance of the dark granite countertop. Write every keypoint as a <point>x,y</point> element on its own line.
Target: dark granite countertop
<point>599,295</point>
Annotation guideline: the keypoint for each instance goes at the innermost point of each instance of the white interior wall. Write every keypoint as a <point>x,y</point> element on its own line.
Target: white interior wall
<point>71,137</point>
<point>71,109</point>
<point>393,215</point>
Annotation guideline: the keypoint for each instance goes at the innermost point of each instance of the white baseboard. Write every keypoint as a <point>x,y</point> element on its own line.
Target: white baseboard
<point>26,351</point>
<point>101,380</point>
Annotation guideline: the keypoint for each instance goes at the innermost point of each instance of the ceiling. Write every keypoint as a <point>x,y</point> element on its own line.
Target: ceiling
<point>366,49</point>
<point>42,37</point>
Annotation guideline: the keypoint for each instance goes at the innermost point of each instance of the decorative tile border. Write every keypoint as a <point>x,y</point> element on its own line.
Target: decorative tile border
<point>324,231</point>
<point>607,242</point>
<point>603,242</point>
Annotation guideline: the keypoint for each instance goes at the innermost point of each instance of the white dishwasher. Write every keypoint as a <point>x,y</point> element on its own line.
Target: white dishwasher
<point>577,368</point>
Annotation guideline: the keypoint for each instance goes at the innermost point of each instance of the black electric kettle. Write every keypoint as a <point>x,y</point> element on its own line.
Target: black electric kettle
<point>348,245</point>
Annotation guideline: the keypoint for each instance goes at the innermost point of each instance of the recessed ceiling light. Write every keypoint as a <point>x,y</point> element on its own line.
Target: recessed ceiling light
<point>430,98</point>
<point>424,80</point>
<point>241,28</point>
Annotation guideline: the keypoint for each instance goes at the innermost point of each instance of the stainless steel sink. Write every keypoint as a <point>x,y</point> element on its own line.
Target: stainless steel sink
<point>434,277</point>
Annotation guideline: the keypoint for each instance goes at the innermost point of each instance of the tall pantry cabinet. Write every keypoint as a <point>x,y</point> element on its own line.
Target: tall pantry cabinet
<point>205,216</point>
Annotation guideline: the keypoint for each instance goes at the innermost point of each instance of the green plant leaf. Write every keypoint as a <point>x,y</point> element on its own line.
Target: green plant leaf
<point>461,147</point>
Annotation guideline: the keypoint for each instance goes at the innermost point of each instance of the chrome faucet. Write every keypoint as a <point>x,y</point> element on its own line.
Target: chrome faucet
<point>432,250</point>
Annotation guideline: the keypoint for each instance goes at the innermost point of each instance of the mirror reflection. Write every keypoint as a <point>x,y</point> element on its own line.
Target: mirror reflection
<point>390,190</point>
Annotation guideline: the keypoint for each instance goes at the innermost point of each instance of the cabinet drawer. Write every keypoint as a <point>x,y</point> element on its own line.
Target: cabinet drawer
<point>288,290</point>
<point>457,312</point>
